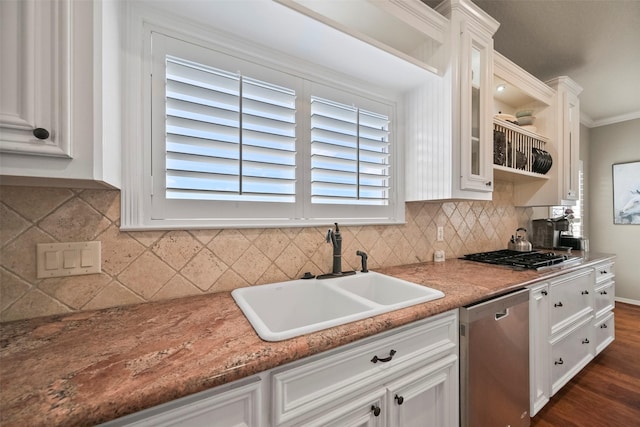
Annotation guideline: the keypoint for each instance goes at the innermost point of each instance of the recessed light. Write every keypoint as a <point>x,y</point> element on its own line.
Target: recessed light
<point>501,88</point>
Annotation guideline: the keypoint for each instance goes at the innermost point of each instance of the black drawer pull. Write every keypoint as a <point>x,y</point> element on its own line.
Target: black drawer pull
<point>559,362</point>
<point>603,293</point>
<point>585,292</point>
<point>399,399</point>
<point>377,359</point>
<point>558,304</point>
<point>544,292</point>
<point>376,410</point>
<point>603,272</point>
<point>603,326</point>
<point>585,341</point>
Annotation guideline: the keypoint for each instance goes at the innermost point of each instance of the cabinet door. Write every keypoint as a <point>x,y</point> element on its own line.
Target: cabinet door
<point>427,396</point>
<point>476,129</point>
<point>538,348</point>
<point>237,405</point>
<point>34,37</point>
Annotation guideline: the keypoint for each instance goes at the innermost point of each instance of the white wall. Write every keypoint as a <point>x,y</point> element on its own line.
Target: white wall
<point>616,143</point>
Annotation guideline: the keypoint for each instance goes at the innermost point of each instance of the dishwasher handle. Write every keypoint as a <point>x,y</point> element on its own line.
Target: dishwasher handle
<point>501,314</point>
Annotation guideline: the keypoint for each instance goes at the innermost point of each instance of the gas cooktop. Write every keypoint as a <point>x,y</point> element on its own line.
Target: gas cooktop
<point>535,260</point>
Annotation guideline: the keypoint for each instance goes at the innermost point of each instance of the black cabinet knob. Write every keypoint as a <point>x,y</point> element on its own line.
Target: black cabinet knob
<point>559,362</point>
<point>375,409</point>
<point>559,304</point>
<point>544,292</point>
<point>41,133</point>
<point>399,399</point>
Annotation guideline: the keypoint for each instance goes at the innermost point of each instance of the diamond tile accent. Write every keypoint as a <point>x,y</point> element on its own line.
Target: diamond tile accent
<point>176,287</point>
<point>34,203</point>
<point>204,269</point>
<point>229,245</point>
<point>146,275</point>
<point>74,221</point>
<point>11,225</point>
<point>155,265</point>
<point>176,248</point>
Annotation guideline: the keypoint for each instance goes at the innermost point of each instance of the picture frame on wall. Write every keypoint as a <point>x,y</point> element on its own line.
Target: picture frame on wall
<point>626,193</point>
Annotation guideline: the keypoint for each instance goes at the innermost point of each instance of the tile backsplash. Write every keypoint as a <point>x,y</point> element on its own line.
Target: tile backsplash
<point>155,265</point>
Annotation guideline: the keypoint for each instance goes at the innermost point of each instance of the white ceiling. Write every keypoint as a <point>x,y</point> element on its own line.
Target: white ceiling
<point>595,42</point>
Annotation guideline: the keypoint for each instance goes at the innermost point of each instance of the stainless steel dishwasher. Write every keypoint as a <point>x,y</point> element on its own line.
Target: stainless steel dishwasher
<point>494,362</point>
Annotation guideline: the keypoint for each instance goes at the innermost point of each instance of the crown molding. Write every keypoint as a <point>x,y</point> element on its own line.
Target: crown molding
<point>590,123</point>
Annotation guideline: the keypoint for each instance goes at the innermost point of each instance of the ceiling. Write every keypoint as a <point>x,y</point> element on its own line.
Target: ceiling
<point>595,42</point>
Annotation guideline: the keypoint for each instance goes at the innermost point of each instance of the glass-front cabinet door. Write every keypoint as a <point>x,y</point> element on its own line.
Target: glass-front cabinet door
<point>476,134</point>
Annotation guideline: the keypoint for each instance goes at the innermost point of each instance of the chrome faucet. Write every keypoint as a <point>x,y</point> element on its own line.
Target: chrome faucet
<point>335,238</point>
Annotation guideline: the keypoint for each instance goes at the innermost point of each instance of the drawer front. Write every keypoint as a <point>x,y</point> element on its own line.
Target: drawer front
<point>604,271</point>
<point>307,387</point>
<point>570,352</point>
<point>605,332</point>
<point>570,297</point>
<point>604,298</point>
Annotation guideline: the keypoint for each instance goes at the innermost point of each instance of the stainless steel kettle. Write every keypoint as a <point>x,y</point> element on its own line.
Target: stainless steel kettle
<point>519,242</point>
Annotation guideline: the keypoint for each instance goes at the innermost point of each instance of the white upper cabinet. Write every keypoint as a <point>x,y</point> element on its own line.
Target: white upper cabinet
<point>60,109</point>
<point>567,135</point>
<point>448,117</point>
<point>555,109</point>
<point>35,73</point>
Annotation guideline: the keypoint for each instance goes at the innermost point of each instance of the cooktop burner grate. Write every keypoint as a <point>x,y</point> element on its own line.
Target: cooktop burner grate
<point>535,260</point>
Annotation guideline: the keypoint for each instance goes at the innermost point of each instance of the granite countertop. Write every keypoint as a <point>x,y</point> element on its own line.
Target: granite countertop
<point>91,367</point>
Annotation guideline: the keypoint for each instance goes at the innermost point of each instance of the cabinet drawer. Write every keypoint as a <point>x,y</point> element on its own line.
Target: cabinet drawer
<point>604,271</point>
<point>604,298</point>
<point>306,387</point>
<point>570,352</point>
<point>570,298</point>
<point>605,332</point>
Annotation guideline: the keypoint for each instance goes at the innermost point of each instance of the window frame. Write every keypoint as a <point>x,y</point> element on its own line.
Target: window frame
<point>137,191</point>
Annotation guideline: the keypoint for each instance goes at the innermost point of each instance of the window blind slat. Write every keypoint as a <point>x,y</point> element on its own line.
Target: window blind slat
<point>226,144</point>
<point>202,76</point>
<point>349,154</point>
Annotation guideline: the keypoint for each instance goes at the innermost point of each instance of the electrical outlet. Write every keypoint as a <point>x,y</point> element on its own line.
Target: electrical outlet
<point>440,237</point>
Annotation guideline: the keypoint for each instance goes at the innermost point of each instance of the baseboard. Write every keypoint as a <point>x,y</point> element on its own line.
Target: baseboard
<point>628,301</point>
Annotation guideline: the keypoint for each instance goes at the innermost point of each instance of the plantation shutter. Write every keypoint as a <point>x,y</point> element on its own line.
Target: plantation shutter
<point>228,137</point>
<point>349,155</point>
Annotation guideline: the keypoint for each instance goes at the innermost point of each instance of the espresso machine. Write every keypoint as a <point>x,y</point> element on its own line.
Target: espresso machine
<point>547,232</point>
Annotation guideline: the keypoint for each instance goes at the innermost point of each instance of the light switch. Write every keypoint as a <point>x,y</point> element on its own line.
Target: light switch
<point>86,258</point>
<point>67,259</point>
<point>70,257</point>
<point>51,260</point>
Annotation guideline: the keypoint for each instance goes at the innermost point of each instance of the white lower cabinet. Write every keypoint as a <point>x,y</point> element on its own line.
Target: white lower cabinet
<point>397,378</point>
<point>418,364</point>
<point>238,404</point>
<point>571,350</point>
<point>571,320</point>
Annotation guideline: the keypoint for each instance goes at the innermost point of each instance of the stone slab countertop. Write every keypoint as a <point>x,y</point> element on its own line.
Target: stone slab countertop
<point>90,367</point>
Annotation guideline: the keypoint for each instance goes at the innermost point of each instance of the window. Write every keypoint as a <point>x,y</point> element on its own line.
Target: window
<point>575,214</point>
<point>349,154</point>
<point>236,143</point>
<point>228,137</point>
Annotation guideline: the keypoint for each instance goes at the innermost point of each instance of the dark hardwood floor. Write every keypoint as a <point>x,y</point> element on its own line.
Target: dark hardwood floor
<point>606,393</point>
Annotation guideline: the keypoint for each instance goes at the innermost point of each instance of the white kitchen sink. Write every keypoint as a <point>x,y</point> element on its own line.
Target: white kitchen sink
<point>284,310</point>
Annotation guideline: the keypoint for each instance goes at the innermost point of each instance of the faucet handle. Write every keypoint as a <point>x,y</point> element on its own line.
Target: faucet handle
<point>330,235</point>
